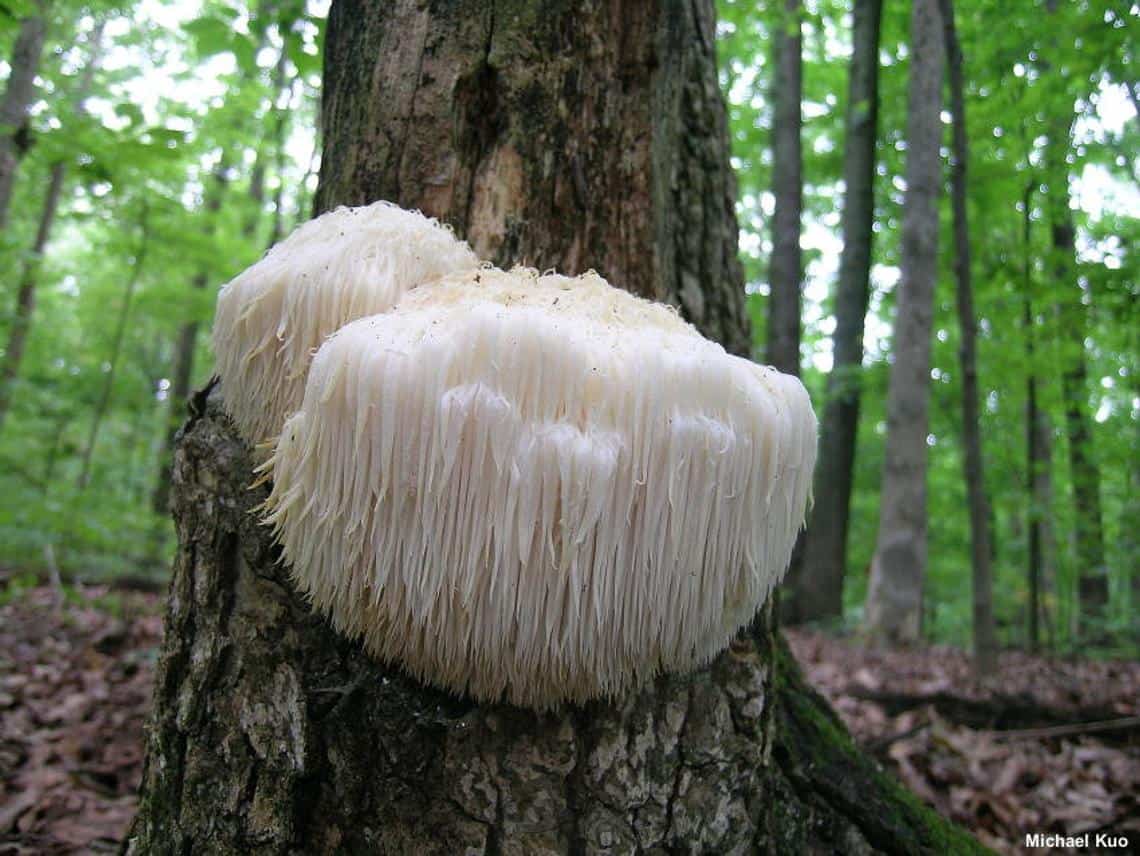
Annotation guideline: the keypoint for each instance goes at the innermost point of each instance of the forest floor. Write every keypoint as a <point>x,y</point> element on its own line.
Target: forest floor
<point>1002,758</point>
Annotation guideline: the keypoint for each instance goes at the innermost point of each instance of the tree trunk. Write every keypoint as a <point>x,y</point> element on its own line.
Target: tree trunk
<point>785,273</point>
<point>18,95</point>
<point>584,136</point>
<point>894,596</point>
<point>1041,550</point>
<point>1032,452</point>
<point>1046,534</point>
<point>274,142</point>
<point>623,170</point>
<point>817,593</point>
<point>30,271</point>
<point>1092,572</point>
<point>26,294</point>
<point>985,640</point>
<point>1033,462</point>
<point>185,345</point>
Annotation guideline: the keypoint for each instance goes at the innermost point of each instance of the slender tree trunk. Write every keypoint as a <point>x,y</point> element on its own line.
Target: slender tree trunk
<point>182,373</point>
<point>985,638</point>
<point>104,402</point>
<point>1043,497</point>
<point>26,293</point>
<point>818,591</point>
<point>572,136</point>
<point>898,569</point>
<point>304,203</point>
<point>1040,554</point>
<point>1092,572</point>
<point>18,95</point>
<point>30,272</point>
<point>284,89</point>
<point>785,270</point>
<point>257,175</point>
<point>186,344</point>
<point>1129,514</point>
<point>1032,463</point>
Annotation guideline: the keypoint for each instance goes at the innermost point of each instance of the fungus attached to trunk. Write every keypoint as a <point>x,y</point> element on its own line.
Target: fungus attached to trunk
<point>344,265</point>
<point>539,489</point>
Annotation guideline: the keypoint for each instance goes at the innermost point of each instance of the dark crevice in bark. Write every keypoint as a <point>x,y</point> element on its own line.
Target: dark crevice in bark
<point>576,786</point>
<point>477,99</point>
<point>680,763</point>
<point>410,118</point>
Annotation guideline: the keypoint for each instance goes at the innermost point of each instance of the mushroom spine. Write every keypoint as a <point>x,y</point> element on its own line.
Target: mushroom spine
<point>343,265</point>
<point>539,489</point>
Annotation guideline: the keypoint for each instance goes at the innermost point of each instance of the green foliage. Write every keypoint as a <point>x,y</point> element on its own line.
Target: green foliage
<point>1028,72</point>
<point>181,106</point>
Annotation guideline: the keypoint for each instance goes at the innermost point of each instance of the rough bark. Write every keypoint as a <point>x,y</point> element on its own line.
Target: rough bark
<point>894,596</point>
<point>817,593</point>
<point>785,268</point>
<point>984,634</point>
<point>549,135</point>
<point>272,734</point>
<point>18,94</point>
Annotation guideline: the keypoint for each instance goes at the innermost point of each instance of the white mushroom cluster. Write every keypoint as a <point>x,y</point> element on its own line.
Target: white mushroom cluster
<point>344,265</point>
<point>537,489</point>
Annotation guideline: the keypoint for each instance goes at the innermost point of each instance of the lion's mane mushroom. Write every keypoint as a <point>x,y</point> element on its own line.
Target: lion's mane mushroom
<point>539,489</point>
<point>346,264</point>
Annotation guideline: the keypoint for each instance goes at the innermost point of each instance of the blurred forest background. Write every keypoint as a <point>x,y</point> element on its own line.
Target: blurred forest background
<point>151,150</point>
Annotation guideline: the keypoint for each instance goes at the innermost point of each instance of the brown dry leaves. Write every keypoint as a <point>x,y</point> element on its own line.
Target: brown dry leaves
<point>997,783</point>
<point>75,685</point>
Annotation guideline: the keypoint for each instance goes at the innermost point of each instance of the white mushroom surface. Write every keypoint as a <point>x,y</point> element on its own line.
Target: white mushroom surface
<point>343,265</point>
<point>539,489</point>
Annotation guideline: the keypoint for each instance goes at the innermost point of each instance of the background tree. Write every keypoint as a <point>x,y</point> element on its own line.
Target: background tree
<point>818,592</point>
<point>274,735</point>
<point>985,644</point>
<point>894,597</point>
<point>18,94</point>
<point>785,269</point>
<point>30,270</point>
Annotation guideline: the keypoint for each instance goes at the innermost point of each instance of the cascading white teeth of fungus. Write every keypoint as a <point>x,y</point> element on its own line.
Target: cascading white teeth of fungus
<point>539,489</point>
<point>344,265</point>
